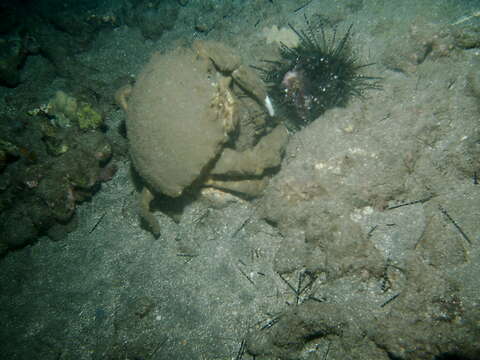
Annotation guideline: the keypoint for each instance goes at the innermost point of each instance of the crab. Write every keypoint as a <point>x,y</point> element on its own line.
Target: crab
<point>196,117</point>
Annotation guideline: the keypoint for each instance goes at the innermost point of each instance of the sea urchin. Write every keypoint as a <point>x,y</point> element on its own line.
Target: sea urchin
<point>318,74</point>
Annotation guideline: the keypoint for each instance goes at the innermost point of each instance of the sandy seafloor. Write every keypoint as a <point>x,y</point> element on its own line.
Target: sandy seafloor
<point>212,279</point>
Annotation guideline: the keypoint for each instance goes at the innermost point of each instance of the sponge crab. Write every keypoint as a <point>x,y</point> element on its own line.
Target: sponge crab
<point>196,117</point>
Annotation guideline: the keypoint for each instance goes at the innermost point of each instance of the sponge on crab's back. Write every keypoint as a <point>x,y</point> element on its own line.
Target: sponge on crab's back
<point>171,125</point>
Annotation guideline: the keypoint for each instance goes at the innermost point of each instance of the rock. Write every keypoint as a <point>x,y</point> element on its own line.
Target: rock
<point>467,37</point>
<point>9,18</point>
<point>153,17</point>
<point>14,236</point>
<point>11,59</point>
<point>473,81</point>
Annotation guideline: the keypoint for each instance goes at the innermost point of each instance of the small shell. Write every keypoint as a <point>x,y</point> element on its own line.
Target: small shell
<point>269,106</point>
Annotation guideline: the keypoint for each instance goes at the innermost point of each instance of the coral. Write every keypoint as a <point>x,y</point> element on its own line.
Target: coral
<point>63,108</point>
<point>54,139</point>
<point>87,117</point>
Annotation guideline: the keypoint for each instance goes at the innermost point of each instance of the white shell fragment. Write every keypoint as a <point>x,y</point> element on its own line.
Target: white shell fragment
<point>269,106</point>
